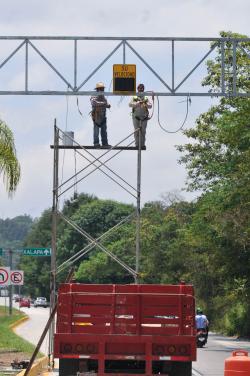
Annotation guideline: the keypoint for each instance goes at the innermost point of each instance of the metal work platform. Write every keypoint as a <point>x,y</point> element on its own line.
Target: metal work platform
<point>74,147</point>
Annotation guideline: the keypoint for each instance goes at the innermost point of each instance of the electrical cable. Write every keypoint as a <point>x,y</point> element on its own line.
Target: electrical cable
<point>77,103</point>
<point>75,185</point>
<point>110,84</point>
<point>188,103</point>
<point>66,126</point>
<point>153,103</point>
<point>120,100</point>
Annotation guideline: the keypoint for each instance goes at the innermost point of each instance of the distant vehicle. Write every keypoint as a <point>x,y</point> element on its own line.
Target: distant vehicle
<point>24,302</point>
<point>17,298</point>
<point>4,292</point>
<point>41,302</point>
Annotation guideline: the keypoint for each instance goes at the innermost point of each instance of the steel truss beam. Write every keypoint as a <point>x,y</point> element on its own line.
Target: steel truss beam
<point>172,89</point>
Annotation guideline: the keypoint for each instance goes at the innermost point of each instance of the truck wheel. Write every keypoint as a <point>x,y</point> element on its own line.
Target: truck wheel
<point>68,367</point>
<point>181,369</point>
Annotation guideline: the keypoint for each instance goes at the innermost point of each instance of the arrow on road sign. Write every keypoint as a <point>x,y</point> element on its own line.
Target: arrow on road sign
<point>36,251</point>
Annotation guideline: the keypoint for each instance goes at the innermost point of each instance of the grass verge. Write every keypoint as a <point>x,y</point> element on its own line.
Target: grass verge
<point>9,341</point>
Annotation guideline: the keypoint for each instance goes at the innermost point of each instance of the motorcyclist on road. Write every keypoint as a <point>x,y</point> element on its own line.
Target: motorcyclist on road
<point>201,321</point>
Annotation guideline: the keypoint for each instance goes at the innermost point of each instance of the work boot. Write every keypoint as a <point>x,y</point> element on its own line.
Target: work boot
<point>107,146</point>
<point>97,145</point>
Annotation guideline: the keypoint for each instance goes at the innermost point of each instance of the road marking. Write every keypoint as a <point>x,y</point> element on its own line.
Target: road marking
<point>196,373</point>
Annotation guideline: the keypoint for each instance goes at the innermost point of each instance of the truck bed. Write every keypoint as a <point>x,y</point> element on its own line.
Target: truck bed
<point>132,323</point>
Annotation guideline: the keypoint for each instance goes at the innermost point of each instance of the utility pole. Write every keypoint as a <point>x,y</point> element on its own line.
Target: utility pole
<point>138,207</point>
<point>10,286</point>
<point>53,239</point>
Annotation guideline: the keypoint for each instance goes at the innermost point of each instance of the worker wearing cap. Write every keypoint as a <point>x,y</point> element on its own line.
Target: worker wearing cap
<point>99,105</point>
<point>140,105</point>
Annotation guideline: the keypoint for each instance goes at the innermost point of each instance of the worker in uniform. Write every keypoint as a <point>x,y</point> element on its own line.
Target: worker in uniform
<point>99,105</point>
<point>140,115</point>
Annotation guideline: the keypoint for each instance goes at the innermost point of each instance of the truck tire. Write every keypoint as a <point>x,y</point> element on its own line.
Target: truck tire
<point>181,369</point>
<point>68,367</point>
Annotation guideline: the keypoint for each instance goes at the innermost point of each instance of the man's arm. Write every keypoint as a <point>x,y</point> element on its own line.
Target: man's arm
<point>134,102</point>
<point>98,102</point>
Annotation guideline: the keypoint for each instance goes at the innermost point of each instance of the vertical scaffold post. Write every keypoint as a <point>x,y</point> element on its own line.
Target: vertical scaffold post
<point>53,237</point>
<point>138,208</point>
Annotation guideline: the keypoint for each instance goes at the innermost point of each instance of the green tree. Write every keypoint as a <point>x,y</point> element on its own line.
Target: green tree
<point>217,162</point>
<point>37,269</point>
<point>14,230</point>
<point>9,165</point>
<point>95,217</point>
<point>163,251</point>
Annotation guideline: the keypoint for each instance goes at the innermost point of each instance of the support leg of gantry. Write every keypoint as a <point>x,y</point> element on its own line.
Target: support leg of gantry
<point>138,207</point>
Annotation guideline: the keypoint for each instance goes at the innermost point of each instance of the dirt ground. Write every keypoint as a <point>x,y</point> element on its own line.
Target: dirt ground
<point>6,358</point>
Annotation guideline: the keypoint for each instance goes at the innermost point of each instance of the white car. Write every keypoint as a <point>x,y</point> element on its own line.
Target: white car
<point>41,302</point>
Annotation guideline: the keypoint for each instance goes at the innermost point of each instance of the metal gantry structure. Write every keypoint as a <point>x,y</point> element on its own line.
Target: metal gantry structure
<point>94,163</point>
<point>29,44</point>
<point>76,87</point>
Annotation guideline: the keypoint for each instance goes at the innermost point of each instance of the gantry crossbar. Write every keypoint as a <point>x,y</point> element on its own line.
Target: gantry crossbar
<point>74,87</point>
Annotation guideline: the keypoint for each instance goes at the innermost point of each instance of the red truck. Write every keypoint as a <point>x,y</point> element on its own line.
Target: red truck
<point>125,329</point>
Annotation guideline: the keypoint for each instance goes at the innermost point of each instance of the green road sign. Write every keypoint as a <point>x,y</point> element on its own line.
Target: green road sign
<point>36,251</point>
<point>1,251</point>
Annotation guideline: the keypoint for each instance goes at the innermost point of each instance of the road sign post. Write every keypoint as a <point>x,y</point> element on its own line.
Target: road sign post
<point>45,252</point>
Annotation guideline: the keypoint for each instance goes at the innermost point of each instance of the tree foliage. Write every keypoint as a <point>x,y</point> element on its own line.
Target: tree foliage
<point>14,230</point>
<point>217,160</point>
<point>9,165</point>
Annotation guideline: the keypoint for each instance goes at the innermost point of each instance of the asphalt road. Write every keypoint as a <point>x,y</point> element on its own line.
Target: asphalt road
<point>210,359</point>
<point>32,329</point>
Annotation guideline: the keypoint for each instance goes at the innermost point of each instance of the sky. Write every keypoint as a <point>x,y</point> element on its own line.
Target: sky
<point>31,118</point>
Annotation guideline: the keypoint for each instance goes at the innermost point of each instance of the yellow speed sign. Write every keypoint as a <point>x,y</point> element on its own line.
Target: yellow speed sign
<point>124,78</point>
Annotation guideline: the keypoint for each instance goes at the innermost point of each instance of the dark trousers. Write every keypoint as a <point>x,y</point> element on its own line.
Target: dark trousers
<point>137,123</point>
<point>103,130</point>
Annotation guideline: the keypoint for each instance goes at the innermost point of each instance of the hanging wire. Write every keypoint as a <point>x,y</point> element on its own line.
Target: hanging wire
<point>75,180</point>
<point>65,130</point>
<point>77,103</point>
<point>188,103</point>
<point>153,103</point>
<point>110,84</point>
<point>120,100</point>
<point>66,127</point>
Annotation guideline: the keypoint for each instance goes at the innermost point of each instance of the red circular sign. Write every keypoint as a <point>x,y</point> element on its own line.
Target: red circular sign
<point>16,277</point>
<point>4,276</point>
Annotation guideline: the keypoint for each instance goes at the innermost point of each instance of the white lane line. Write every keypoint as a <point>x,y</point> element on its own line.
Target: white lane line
<point>196,373</point>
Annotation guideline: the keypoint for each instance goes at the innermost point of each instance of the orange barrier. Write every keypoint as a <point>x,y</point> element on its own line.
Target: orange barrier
<point>238,364</point>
